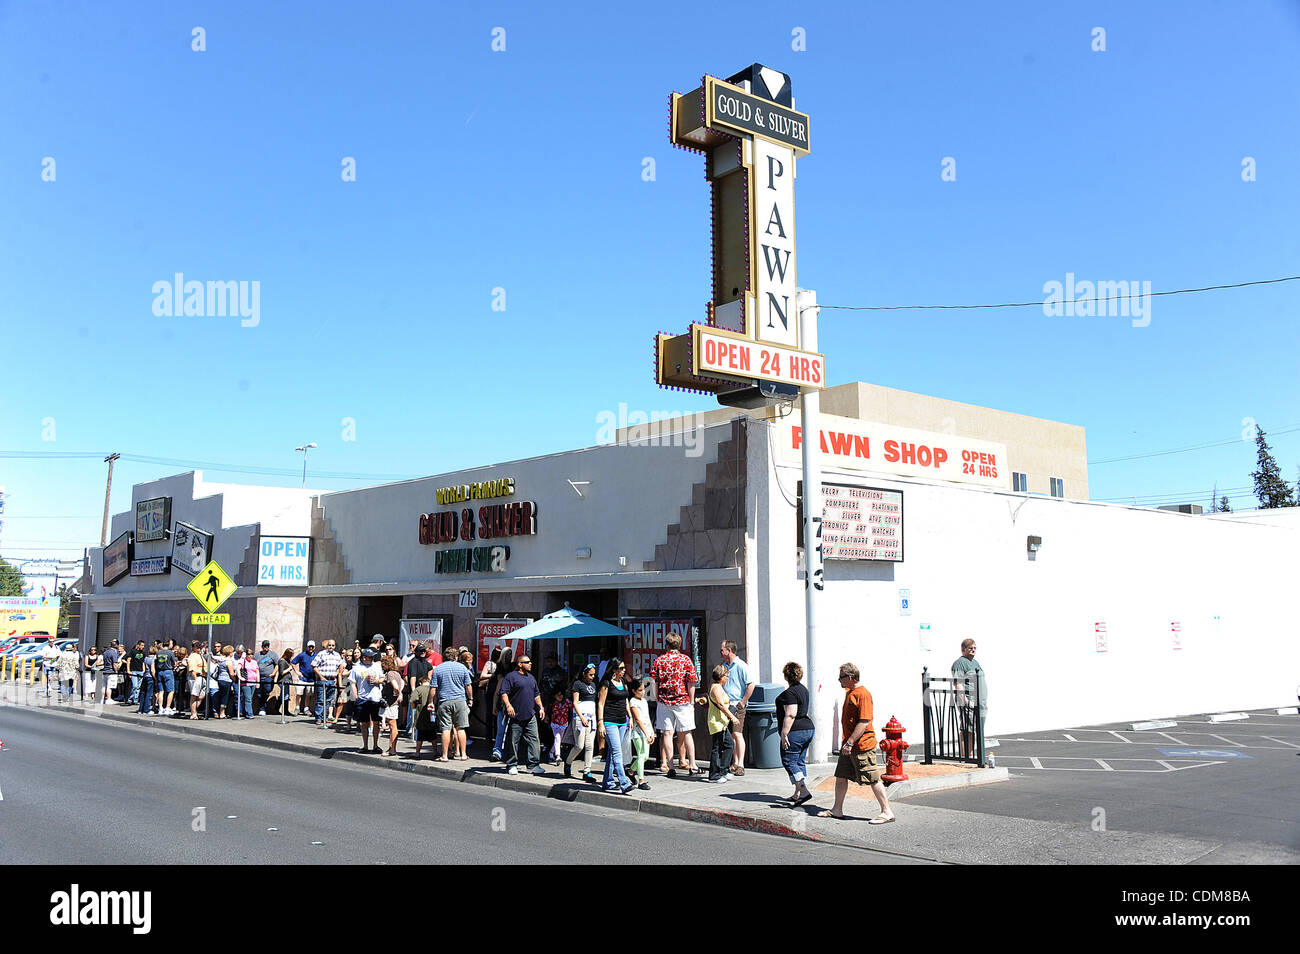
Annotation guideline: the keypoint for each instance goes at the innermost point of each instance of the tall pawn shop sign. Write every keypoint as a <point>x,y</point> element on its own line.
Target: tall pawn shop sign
<point>751,136</point>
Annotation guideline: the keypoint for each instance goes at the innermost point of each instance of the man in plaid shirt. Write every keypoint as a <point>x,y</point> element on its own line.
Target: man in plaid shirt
<point>326,665</point>
<point>675,677</point>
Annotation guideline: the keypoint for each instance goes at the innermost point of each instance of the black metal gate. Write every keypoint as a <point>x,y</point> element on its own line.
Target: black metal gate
<point>954,731</point>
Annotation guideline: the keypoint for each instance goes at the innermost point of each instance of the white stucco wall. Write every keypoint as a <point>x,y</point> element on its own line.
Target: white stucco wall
<point>1228,582</point>
<point>630,496</point>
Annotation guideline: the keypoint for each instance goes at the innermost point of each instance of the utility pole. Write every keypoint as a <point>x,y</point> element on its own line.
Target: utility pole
<point>809,409</point>
<point>108,490</point>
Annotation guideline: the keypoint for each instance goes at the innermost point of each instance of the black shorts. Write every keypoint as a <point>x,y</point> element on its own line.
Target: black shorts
<point>368,711</point>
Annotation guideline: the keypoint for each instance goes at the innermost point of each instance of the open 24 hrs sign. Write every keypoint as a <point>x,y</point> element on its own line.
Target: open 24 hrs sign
<point>283,561</point>
<point>731,355</point>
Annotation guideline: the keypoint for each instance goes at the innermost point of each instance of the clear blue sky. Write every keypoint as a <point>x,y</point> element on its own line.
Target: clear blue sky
<point>523,170</point>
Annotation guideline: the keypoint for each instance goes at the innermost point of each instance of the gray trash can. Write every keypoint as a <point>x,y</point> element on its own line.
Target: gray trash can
<point>763,727</point>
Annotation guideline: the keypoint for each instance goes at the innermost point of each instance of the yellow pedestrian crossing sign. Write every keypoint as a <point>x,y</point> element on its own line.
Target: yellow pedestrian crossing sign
<point>212,587</point>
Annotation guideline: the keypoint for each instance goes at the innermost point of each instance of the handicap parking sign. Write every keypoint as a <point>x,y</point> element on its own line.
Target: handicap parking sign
<point>1203,753</point>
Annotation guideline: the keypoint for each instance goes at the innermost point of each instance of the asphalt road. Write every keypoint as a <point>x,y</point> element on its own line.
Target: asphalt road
<point>1231,782</point>
<point>83,792</point>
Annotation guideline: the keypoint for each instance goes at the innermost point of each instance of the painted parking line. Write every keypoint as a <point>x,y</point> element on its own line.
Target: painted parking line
<point>1219,740</point>
<point>1283,741</point>
<point>1248,725</point>
<point>1058,763</point>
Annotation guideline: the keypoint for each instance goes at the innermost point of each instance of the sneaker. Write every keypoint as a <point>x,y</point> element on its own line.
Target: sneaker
<point>644,786</point>
<point>629,789</point>
<point>672,773</point>
<point>721,779</point>
<point>568,770</point>
<point>588,777</point>
<point>513,770</point>
<point>539,771</point>
<point>495,757</point>
<point>730,776</point>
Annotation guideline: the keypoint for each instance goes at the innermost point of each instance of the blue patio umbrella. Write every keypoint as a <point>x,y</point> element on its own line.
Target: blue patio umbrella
<point>567,624</point>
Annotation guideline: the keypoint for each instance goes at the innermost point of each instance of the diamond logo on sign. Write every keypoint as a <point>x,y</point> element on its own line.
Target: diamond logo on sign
<point>212,586</point>
<point>772,80</point>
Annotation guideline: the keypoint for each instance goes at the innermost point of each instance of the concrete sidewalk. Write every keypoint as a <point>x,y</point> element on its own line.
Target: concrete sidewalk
<point>750,802</point>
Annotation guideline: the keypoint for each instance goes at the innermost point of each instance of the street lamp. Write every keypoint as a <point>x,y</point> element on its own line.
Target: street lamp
<point>305,448</point>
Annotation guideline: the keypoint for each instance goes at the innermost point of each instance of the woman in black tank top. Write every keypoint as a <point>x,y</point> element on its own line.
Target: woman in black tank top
<point>611,721</point>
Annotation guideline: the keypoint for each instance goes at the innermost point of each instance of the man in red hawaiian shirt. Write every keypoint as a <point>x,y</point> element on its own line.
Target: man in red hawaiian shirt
<point>675,677</point>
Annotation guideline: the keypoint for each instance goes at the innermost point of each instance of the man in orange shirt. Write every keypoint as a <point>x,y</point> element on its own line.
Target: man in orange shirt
<point>858,753</point>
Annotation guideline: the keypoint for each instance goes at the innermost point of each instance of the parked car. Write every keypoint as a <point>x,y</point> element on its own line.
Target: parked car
<point>32,650</point>
<point>14,643</point>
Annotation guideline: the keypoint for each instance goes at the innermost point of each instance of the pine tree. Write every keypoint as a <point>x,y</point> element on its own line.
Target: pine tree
<point>11,579</point>
<point>1270,488</point>
<point>1223,506</point>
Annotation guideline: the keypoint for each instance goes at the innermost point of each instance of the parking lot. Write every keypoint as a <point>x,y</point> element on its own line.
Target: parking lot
<point>1210,776</point>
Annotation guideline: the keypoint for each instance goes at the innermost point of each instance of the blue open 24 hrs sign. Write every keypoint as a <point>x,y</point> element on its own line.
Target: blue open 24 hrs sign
<point>284,561</point>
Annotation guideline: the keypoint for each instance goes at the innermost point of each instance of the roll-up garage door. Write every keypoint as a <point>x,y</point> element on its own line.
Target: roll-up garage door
<point>107,627</point>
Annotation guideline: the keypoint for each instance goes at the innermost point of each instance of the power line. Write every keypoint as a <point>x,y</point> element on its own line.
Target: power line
<point>1164,497</point>
<point>1039,303</point>
<point>51,516</point>
<point>1182,450</point>
<point>204,465</point>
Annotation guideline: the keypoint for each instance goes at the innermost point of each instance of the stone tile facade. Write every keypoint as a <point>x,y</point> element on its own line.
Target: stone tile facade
<point>170,619</point>
<point>332,617</point>
<point>328,563</point>
<point>710,531</point>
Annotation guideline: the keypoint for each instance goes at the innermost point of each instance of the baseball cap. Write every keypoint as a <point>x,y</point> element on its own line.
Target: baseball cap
<point>265,643</point>
<point>311,642</point>
<point>368,654</point>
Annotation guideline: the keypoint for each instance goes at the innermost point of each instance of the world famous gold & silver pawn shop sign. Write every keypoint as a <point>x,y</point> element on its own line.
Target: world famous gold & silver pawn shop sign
<point>750,135</point>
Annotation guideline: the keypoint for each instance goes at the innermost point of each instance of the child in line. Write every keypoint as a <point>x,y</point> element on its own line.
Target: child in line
<point>642,734</point>
<point>561,710</point>
<point>422,723</point>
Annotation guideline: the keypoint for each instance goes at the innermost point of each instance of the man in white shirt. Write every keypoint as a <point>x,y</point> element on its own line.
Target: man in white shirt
<point>368,676</point>
<point>49,664</point>
<point>738,687</point>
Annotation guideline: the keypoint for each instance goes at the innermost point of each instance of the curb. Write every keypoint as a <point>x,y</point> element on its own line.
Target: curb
<point>578,792</point>
<point>922,786</point>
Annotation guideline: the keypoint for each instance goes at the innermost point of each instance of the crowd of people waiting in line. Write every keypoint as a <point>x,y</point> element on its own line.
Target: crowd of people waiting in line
<point>431,694</point>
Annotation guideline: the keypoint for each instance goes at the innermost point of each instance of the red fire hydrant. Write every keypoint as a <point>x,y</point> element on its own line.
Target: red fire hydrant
<point>893,747</point>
